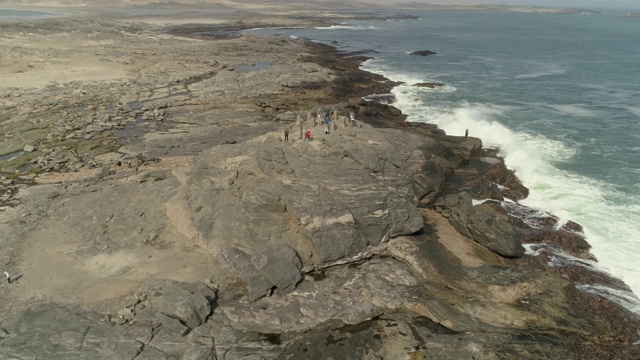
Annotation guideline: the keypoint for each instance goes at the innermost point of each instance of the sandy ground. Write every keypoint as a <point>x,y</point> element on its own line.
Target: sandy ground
<point>60,69</point>
<point>35,59</point>
<point>58,263</point>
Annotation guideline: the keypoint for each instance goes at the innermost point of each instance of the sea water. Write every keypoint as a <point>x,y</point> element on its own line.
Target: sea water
<point>558,94</point>
<point>17,14</point>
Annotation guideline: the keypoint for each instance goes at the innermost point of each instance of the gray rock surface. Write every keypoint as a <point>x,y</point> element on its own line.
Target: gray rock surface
<point>180,304</point>
<point>350,190</point>
<point>240,261</point>
<point>76,336</point>
<point>481,224</point>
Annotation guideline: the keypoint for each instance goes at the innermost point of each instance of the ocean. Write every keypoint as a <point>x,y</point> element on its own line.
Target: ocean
<point>558,94</point>
<point>17,14</point>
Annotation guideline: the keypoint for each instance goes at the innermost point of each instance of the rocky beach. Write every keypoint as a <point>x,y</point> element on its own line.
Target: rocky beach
<point>150,208</point>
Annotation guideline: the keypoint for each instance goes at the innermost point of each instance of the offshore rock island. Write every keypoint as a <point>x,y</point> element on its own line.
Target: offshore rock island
<point>150,208</point>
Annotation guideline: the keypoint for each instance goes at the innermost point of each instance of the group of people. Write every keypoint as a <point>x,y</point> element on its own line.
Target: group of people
<point>329,121</point>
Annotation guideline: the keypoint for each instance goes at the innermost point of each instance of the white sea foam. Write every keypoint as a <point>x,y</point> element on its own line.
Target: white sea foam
<point>346,27</point>
<point>574,110</point>
<point>623,298</point>
<point>559,258</point>
<point>408,80</point>
<point>611,228</point>
<point>543,70</point>
<point>568,196</point>
<point>634,110</point>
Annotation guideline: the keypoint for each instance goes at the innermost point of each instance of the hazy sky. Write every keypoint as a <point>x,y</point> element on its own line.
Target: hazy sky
<point>628,4</point>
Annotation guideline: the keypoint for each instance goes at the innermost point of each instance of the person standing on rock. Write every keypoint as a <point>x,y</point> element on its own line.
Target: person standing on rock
<point>286,134</point>
<point>466,133</point>
<point>307,136</point>
<point>352,119</point>
<point>326,124</point>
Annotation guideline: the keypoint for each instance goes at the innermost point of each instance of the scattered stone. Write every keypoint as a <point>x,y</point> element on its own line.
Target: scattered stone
<point>29,148</point>
<point>94,128</point>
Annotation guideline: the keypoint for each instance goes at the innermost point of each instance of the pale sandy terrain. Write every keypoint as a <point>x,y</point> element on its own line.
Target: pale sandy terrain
<point>35,59</point>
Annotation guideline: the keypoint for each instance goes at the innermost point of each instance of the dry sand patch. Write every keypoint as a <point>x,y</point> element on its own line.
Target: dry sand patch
<point>29,72</point>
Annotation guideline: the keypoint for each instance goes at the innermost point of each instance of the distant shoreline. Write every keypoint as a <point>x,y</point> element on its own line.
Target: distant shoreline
<point>18,13</point>
<point>80,7</point>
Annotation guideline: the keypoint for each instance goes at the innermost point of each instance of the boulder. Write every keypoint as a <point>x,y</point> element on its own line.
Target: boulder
<point>178,303</point>
<point>240,262</point>
<point>481,223</point>
<point>281,265</point>
<point>275,266</point>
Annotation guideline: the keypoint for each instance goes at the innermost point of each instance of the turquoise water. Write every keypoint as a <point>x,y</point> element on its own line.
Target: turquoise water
<point>558,94</point>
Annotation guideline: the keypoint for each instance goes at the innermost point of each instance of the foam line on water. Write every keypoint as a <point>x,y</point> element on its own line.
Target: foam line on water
<point>623,298</point>
<point>558,258</point>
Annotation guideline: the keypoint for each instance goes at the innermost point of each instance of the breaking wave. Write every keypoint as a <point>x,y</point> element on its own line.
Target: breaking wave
<point>611,220</point>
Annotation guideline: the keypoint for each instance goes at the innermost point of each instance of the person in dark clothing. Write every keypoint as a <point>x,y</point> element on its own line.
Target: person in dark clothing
<point>286,134</point>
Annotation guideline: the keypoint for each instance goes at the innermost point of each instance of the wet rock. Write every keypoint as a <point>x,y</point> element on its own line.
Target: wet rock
<point>423,53</point>
<point>430,85</point>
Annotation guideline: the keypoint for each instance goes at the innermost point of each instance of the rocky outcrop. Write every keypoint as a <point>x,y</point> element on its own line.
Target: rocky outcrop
<point>328,199</point>
<point>481,224</point>
<point>423,53</point>
<point>430,85</point>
